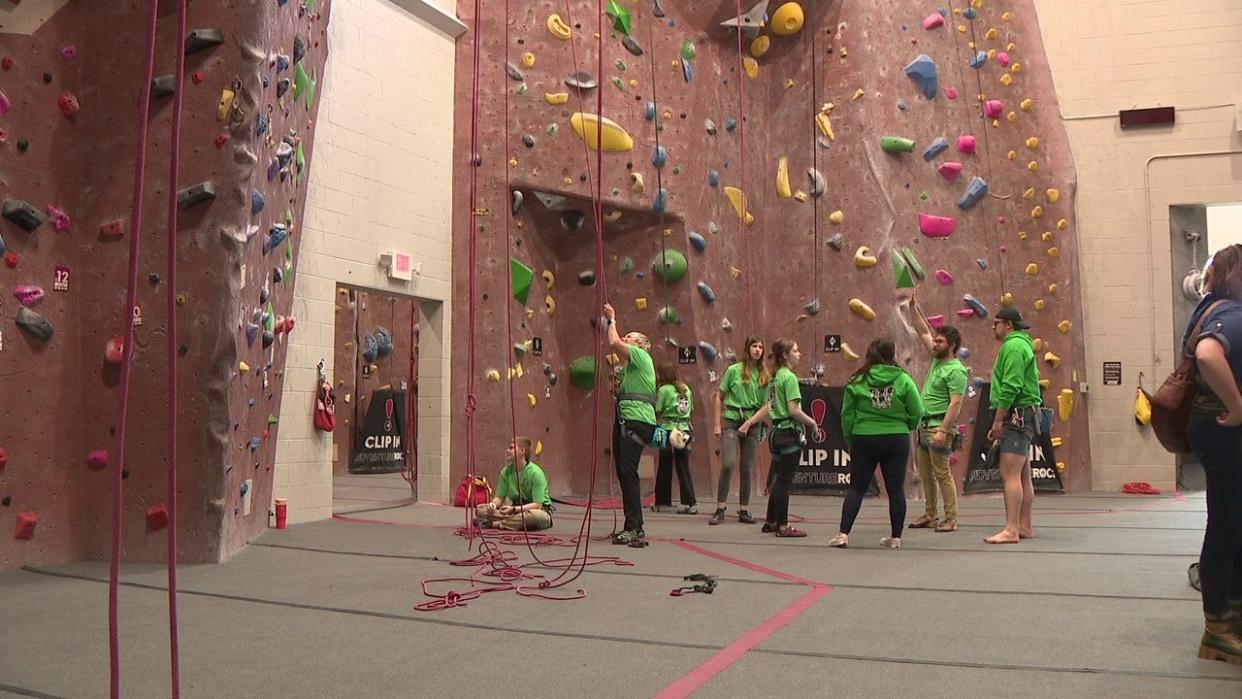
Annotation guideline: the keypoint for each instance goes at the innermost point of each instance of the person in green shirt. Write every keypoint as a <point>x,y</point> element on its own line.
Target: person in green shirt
<point>521,500</point>
<point>636,420</point>
<point>882,406</point>
<point>743,391</point>
<point>784,408</point>
<point>943,392</point>
<point>674,406</point>
<point>1016,399</point>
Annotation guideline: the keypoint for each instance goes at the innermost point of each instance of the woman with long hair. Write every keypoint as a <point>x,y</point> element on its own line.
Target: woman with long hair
<point>742,393</point>
<point>1214,338</point>
<point>784,407</point>
<point>882,407</point>
<point>674,406</point>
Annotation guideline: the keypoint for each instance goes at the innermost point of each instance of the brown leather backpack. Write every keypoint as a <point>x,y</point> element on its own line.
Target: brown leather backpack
<point>1170,404</point>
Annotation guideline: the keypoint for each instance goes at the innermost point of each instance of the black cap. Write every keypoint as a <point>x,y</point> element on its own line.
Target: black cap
<point>1012,315</point>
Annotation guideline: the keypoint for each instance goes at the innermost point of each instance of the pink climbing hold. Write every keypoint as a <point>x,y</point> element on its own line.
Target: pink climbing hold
<point>944,277</point>
<point>28,295</point>
<point>1004,248</point>
<point>950,170</point>
<point>936,226</point>
<point>1000,220</point>
<point>966,144</point>
<point>69,52</point>
<point>60,219</point>
<point>5,104</point>
<point>97,460</point>
<point>157,518</point>
<point>965,312</point>
<point>933,20</point>
<point>950,92</point>
<point>1003,59</point>
<point>26,523</point>
<point>935,321</point>
<point>994,108</point>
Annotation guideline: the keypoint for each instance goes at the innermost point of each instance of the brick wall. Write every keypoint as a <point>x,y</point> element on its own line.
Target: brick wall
<point>382,180</point>
<point>1108,55</point>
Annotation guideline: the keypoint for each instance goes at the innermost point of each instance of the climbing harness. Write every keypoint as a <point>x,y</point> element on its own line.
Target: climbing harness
<point>706,584</point>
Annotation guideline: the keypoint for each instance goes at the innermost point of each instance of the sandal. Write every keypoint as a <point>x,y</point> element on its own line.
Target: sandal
<point>788,531</point>
<point>949,525</point>
<point>923,522</point>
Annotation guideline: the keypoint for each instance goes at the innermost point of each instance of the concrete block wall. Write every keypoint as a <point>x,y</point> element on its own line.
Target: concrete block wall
<point>383,181</point>
<point>1108,55</point>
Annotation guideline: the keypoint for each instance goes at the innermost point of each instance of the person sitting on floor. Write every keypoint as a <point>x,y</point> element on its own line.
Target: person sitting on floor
<point>521,499</point>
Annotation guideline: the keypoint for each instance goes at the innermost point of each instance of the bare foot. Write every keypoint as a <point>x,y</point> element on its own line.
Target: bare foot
<point>1004,536</point>
<point>1028,534</point>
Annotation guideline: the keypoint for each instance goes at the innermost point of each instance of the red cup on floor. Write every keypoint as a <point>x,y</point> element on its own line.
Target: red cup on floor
<point>282,512</point>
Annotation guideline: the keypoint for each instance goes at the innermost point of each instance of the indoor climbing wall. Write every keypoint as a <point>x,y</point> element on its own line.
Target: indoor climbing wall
<point>807,179</point>
<point>70,84</point>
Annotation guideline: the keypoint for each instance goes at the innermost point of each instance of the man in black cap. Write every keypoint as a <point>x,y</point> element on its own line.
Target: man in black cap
<point>1016,398</point>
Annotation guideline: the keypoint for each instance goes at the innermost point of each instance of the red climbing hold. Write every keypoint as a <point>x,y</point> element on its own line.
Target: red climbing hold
<point>6,62</point>
<point>220,140</point>
<point>26,522</point>
<point>4,458</point>
<point>198,77</point>
<point>10,260</point>
<point>157,518</point>
<point>114,349</point>
<point>97,460</point>
<point>112,230</point>
<point>68,104</point>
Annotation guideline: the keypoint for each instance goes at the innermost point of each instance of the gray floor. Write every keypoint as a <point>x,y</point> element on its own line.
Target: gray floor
<point>1097,605</point>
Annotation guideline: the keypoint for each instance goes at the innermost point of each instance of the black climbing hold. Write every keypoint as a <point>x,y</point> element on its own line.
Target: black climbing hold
<point>277,275</point>
<point>656,10</point>
<point>581,80</point>
<point>299,49</point>
<point>164,86</point>
<point>205,38</point>
<point>153,279</point>
<point>8,500</point>
<point>484,297</point>
<point>124,473</point>
<point>572,220</point>
<point>514,72</point>
<point>196,194</point>
<point>582,178</point>
<point>182,351</point>
<point>47,78</point>
<point>631,46</point>
<point>22,214</point>
<point>586,278</point>
<point>268,339</point>
<point>34,324</point>
<point>528,140</point>
<point>282,86</point>
<point>23,145</point>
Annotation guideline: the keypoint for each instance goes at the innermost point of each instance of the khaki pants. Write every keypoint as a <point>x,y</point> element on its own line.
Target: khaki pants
<point>534,519</point>
<point>933,467</point>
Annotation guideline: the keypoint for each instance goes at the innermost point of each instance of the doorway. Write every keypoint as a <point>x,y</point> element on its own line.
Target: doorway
<point>375,446</point>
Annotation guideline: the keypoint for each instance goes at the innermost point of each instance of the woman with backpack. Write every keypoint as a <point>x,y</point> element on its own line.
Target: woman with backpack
<point>743,390</point>
<point>882,407</point>
<point>674,406</point>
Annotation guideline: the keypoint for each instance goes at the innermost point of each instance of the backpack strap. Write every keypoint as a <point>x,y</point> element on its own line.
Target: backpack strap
<point>1193,338</point>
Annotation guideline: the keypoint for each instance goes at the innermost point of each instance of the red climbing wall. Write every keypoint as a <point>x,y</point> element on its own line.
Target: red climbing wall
<point>61,396</point>
<point>851,56</point>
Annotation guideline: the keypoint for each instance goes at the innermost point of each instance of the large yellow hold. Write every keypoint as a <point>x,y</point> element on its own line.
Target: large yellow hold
<point>861,309</point>
<point>558,28</point>
<point>787,19</point>
<point>614,138</point>
<point>740,204</point>
<point>783,190</point>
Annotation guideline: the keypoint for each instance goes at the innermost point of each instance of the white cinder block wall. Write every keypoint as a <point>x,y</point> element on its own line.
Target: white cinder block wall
<point>381,178</point>
<point>1108,55</point>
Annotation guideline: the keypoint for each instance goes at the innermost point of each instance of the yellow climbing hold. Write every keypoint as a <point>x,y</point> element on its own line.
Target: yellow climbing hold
<point>991,34</point>
<point>1021,235</point>
<point>1065,403</point>
<point>1032,166</point>
<point>538,447</point>
<point>1052,288</point>
<point>530,398</point>
<point>1037,212</point>
<point>558,28</point>
<point>783,190</point>
<point>837,217</point>
<point>1064,326</point>
<point>493,375</point>
<point>568,180</point>
<point>1025,105</point>
<point>737,273</point>
<point>227,97</point>
<point>1057,442</point>
<point>740,205</point>
<point>549,279</point>
<point>243,368</point>
<point>760,45</point>
<point>849,354</point>
<point>1006,80</point>
<point>991,54</point>
<point>864,258</point>
<point>1045,384</point>
<point>800,196</point>
<point>1052,359</point>
<point>528,59</point>
<point>961,29</point>
<point>861,309</point>
<point>824,125</point>
<point>859,93</point>
<point>1032,143</point>
<point>516,372</point>
<point>556,97</point>
<point>636,183</point>
<point>1029,194</point>
<point>751,66</point>
<point>1011,47</point>
<point>614,138</point>
<point>1060,465</point>
<point>1007,299</point>
<point>787,19</point>
<point>513,162</point>
<point>1038,343</point>
<point>1006,16</point>
<point>1012,116</point>
<point>612,216</point>
<point>1053,195</point>
<point>1047,236</point>
<point>1016,68</point>
<point>1012,155</point>
<point>789,83</point>
<point>1053,252</point>
<point>549,305</point>
<point>1032,269</point>
<point>640,303</point>
<point>1039,304</point>
<point>1062,224</point>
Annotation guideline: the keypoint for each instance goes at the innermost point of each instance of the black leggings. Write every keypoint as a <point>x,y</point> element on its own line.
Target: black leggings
<point>783,467</point>
<point>891,452</point>
<point>664,477</point>
<point>627,452</point>
<point>1220,562</point>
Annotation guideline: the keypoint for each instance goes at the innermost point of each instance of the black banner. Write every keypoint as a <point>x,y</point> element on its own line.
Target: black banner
<point>824,468</point>
<point>984,477</point>
<point>379,445</point>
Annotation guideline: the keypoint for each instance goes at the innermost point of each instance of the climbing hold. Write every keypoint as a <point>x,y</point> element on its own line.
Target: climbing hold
<point>163,86</point>
<point>200,39</point>
<point>896,144</point>
<point>25,527</point>
<point>668,315</point>
<point>1053,195</point>
<point>1026,104</point>
<point>740,204</point>
<point>944,277</point>
<point>983,263</point>
<point>937,147</point>
<point>837,217</point>
<point>749,23</point>
<point>922,70</point>
<point>933,21</point>
<point>788,19</point>
<point>760,46</point>
<point>549,305</point>
<point>902,278</point>
<point>713,178</point>
<point>60,219</point>
<point>661,201</point>
<point>1062,224</point>
<point>708,350</point>
<point>730,124</point>
<point>97,460</point>
<point>549,279</point>
<point>649,112</point>
<point>1007,299</point>
<point>521,277</point>
<point>659,157</point>
<point>614,138</point>
<point>22,214</point>
<point>1039,304</point>
<point>1037,212</point>
<point>516,204</point>
<point>1029,194</point>
<point>817,182</point>
<point>862,310</point>
<point>811,307</point>
<point>847,353</point>
<point>636,183</point>
<point>1047,236</point>
<point>1053,252</point>
<point>782,179</point>
<point>979,59</point>
<point>1052,359</point>
<point>514,72</point>
<point>937,321</point>
<point>950,92</point>
<point>916,268</point>
<point>557,27</point>
<point>966,144</point>
<point>950,170</point>
<point>710,126</point>
<point>632,46</point>
<point>582,372</point>
<point>864,258</point>
<point>706,292</point>
<point>1032,269</point>
<point>698,242</point>
<point>35,324</point>
<point>1065,406</point>
<point>621,20</point>
<point>1006,79</point>
<point>528,140</point>
<point>751,66</point>
<point>1064,326</point>
<point>196,194</point>
<point>1032,143</point>
<point>581,81</point>
<point>975,192</point>
<point>556,97</point>
<point>640,303</point>
<point>670,266</point>
<point>586,278</point>
<point>936,226</point>
<point>27,294</point>
<point>994,109</point>
<point>837,242</point>
<point>976,305</point>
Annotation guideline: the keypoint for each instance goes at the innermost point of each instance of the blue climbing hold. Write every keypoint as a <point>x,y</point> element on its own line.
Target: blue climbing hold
<point>649,113</point>
<point>370,348</point>
<point>282,62</point>
<point>922,71</point>
<point>970,13</point>
<point>4,249</point>
<point>698,242</point>
<point>261,126</point>
<point>943,12</point>
<point>254,444</point>
<point>706,292</point>
<point>275,237</point>
<point>257,202</point>
<point>245,487</point>
<point>937,147</point>
<point>713,178</point>
<point>963,353</point>
<point>659,157</point>
<point>975,192</point>
<point>730,124</point>
<point>708,350</point>
<point>661,201</point>
<point>979,59</point>
<point>976,305</point>
<point>687,70</point>
<point>252,332</point>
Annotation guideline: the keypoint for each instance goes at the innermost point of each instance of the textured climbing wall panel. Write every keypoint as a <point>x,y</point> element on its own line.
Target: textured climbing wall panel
<point>68,144</point>
<point>868,144</point>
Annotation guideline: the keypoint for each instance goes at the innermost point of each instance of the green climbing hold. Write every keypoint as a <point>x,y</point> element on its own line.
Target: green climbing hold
<point>687,50</point>
<point>582,372</point>
<point>668,314</point>
<point>300,161</point>
<point>670,266</point>
<point>901,273</point>
<point>522,276</point>
<point>896,144</point>
<point>271,419</point>
<point>301,82</point>
<point>627,265</point>
<point>620,17</point>
<point>915,267</point>
<point>269,318</point>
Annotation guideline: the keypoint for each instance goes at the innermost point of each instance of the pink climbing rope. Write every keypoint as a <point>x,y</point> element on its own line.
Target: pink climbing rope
<point>815,200</point>
<point>741,165</point>
<point>174,162</point>
<point>471,400</point>
<point>127,354</point>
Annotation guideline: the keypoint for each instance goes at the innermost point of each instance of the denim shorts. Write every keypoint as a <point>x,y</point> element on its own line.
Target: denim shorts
<point>1019,431</point>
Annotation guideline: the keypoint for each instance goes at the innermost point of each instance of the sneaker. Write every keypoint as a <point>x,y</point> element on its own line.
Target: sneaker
<point>627,536</point>
<point>660,508</point>
<point>840,541</point>
<point>745,517</point>
<point>788,531</point>
<point>924,522</point>
<point>717,517</point>
<point>769,527</point>
<point>688,510</point>
<point>891,542</point>
<point>949,525</point>
<point>1221,642</point>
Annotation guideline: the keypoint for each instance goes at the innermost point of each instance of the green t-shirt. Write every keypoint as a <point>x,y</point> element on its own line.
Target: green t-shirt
<point>534,485</point>
<point>947,378</point>
<point>739,392</point>
<point>674,409</point>
<point>784,389</point>
<point>638,376</point>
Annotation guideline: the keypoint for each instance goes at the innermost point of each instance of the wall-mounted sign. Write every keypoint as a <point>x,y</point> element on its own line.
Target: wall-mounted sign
<point>688,355</point>
<point>1112,373</point>
<point>832,344</point>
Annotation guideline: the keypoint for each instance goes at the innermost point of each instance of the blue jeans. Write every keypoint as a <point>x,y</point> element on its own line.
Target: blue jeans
<point>1219,449</point>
